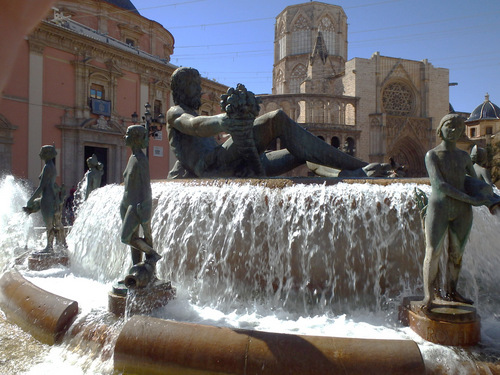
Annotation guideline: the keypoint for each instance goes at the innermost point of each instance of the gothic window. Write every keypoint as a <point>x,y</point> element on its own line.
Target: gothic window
<point>398,99</point>
<point>282,42</point>
<point>301,36</point>
<point>328,31</point>
<point>296,78</point>
<point>280,82</point>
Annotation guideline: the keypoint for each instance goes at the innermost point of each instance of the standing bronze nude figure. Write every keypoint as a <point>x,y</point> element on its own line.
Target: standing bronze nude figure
<point>191,138</point>
<point>94,175</point>
<point>449,210</point>
<point>48,198</point>
<point>136,207</point>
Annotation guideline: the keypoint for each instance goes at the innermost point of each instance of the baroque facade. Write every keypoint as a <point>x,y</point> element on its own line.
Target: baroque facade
<point>80,75</point>
<point>374,109</point>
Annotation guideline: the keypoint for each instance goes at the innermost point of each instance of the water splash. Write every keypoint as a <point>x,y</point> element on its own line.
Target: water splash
<point>16,227</point>
<point>308,248</point>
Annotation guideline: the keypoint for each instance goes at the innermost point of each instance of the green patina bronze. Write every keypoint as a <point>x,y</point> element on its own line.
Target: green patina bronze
<point>455,189</point>
<point>136,209</point>
<point>244,154</point>
<point>48,198</point>
<point>479,157</point>
<point>94,174</point>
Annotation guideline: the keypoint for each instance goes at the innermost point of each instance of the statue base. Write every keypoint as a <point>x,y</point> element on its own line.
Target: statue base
<point>139,300</point>
<point>445,323</point>
<point>39,261</point>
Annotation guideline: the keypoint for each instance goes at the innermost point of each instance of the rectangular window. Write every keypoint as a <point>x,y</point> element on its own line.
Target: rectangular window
<point>472,132</point>
<point>130,42</point>
<point>489,130</point>
<point>96,91</point>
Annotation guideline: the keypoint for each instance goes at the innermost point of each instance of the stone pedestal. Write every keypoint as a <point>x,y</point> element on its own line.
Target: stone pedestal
<point>39,261</point>
<point>446,323</point>
<point>139,300</point>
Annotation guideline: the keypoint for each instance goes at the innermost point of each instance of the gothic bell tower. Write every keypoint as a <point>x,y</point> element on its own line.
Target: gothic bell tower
<point>310,49</point>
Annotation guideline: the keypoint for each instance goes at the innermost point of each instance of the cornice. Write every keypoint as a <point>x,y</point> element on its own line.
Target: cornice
<point>47,35</point>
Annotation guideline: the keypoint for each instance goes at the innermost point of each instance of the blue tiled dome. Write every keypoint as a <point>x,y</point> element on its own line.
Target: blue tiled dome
<point>485,111</point>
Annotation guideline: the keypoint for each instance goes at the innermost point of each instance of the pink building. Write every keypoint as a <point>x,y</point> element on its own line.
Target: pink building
<point>79,77</point>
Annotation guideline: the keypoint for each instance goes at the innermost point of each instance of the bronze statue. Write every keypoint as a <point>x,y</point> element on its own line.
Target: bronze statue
<point>191,137</point>
<point>94,174</point>
<point>449,209</point>
<point>136,208</point>
<point>479,157</point>
<point>48,198</point>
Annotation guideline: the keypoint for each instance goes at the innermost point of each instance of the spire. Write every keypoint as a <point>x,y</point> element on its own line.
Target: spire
<point>320,48</point>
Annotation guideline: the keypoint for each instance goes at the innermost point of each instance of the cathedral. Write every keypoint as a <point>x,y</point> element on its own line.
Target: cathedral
<point>376,109</point>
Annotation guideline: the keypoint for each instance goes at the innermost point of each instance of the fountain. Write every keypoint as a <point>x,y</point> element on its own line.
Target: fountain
<point>332,260</point>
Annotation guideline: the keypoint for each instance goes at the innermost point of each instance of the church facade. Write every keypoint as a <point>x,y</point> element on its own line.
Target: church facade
<point>79,77</point>
<point>375,109</point>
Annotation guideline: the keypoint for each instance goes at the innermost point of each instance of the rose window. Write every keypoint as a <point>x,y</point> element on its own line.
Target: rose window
<point>398,100</point>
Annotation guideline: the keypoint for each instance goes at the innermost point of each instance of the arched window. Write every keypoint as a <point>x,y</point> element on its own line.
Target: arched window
<point>301,36</point>
<point>335,142</point>
<point>350,114</point>
<point>280,82</point>
<point>318,112</point>
<point>281,42</point>
<point>297,76</point>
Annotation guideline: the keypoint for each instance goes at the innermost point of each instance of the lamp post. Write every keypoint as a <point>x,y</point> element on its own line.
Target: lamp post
<point>152,125</point>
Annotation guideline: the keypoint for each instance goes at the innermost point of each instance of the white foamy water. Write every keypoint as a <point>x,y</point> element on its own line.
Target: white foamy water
<point>308,259</point>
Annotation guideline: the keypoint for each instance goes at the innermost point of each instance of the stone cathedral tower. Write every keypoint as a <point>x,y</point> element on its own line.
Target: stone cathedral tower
<point>375,109</point>
<point>310,48</point>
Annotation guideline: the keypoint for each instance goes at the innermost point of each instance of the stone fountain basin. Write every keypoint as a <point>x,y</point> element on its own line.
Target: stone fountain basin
<point>149,345</point>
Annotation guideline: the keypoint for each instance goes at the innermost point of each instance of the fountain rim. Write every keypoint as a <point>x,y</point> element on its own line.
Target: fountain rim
<point>282,182</point>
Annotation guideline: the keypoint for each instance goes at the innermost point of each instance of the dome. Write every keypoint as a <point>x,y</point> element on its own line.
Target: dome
<point>125,4</point>
<point>485,111</point>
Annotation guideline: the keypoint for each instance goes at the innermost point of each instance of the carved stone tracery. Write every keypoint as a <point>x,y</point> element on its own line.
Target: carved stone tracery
<point>398,99</point>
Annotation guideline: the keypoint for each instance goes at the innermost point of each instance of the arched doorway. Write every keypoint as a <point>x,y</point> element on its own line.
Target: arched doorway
<point>410,154</point>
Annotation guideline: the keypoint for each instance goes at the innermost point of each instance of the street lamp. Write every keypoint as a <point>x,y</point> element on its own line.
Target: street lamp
<point>134,117</point>
<point>153,125</point>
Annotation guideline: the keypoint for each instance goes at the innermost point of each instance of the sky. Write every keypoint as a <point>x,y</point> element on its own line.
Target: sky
<point>232,41</point>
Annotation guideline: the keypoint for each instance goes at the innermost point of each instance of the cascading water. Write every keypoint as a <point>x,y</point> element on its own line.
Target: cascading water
<point>312,259</point>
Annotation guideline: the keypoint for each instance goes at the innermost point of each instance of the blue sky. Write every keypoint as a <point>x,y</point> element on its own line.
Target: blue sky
<point>231,41</point>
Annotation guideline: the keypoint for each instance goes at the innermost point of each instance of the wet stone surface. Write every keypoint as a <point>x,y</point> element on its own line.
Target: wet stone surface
<point>16,347</point>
